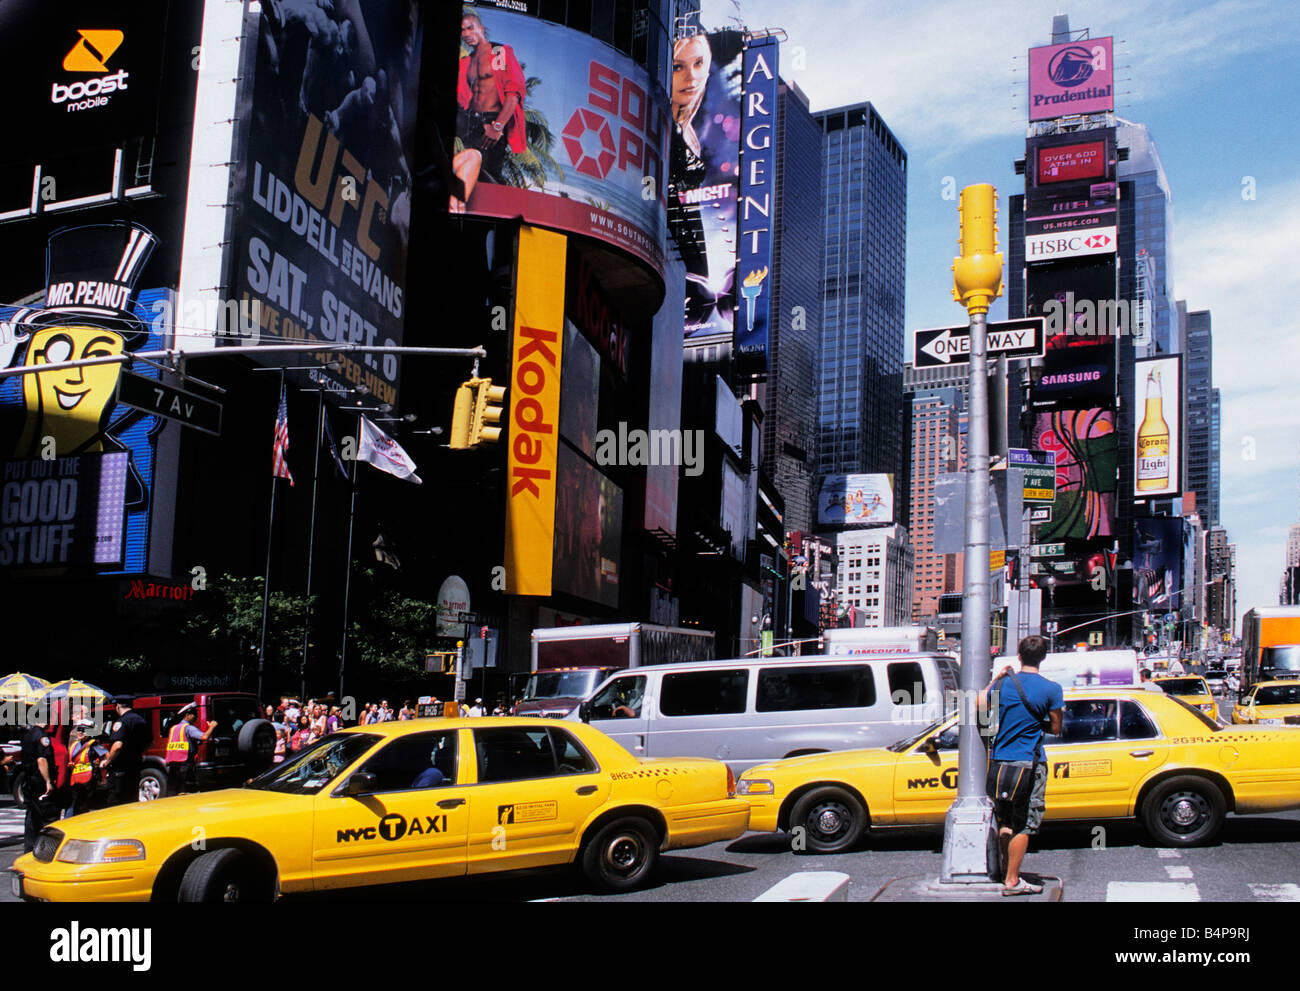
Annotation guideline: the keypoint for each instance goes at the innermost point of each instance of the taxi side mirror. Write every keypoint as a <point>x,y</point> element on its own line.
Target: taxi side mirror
<point>361,783</point>
<point>584,711</point>
<point>930,746</point>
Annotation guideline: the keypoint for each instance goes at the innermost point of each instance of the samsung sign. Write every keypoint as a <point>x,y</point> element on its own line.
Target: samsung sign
<point>757,197</point>
<point>1051,246</point>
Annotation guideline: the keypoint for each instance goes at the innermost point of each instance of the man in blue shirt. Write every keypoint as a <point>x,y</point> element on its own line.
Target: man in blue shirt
<point>1017,761</point>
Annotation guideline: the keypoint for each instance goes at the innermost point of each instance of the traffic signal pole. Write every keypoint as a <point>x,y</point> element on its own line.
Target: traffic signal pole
<point>970,849</point>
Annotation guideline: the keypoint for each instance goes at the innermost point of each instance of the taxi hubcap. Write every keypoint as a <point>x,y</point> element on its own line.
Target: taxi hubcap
<point>1185,810</point>
<point>830,820</point>
<point>625,853</point>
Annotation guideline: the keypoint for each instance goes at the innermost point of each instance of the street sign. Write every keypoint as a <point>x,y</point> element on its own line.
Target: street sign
<point>943,346</point>
<point>1040,474</point>
<point>1040,514</point>
<point>1046,550</point>
<point>168,401</point>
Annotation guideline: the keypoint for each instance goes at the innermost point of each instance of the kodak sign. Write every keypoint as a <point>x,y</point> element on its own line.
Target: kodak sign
<point>534,410</point>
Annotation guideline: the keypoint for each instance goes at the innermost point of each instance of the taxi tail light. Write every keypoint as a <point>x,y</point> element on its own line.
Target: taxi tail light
<point>731,782</point>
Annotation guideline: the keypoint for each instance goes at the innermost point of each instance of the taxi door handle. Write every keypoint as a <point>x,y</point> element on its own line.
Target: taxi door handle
<point>451,803</point>
<point>1141,753</point>
<point>586,790</point>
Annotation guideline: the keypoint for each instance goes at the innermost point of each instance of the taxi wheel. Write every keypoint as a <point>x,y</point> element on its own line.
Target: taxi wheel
<point>621,855</point>
<point>225,875</point>
<point>1184,811</point>
<point>832,820</point>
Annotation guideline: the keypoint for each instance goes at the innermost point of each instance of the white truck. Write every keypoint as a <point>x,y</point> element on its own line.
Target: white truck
<point>877,641</point>
<point>568,662</point>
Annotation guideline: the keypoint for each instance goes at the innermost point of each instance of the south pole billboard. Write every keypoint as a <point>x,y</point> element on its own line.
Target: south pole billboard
<point>704,179</point>
<point>1077,77</point>
<point>323,199</point>
<point>757,202</point>
<point>856,500</point>
<point>1158,426</point>
<point>582,141</point>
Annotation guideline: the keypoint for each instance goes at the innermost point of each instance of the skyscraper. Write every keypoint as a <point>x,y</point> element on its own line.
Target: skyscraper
<point>789,440</point>
<point>863,282</point>
<point>1202,416</point>
<point>934,416</point>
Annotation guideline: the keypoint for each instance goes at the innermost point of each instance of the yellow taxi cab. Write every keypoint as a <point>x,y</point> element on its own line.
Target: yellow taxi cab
<point>1121,753</point>
<point>1268,703</point>
<point>395,802</point>
<point>1193,690</point>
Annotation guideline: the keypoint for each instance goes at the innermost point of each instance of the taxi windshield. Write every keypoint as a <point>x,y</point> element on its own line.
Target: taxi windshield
<point>1183,686</point>
<point>1278,694</point>
<point>900,745</point>
<point>316,766</point>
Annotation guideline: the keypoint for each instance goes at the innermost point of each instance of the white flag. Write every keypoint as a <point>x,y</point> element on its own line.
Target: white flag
<point>385,453</point>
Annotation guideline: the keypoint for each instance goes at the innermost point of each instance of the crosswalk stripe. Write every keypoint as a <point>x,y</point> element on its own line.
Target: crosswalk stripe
<point>1164,854</point>
<point>1276,892</point>
<point>1179,873</point>
<point>1152,891</point>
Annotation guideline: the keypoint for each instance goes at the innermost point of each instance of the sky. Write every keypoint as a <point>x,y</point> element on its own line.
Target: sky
<point>1214,81</point>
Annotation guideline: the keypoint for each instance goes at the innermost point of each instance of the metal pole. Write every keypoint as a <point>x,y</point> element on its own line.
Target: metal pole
<point>266,578</point>
<point>311,539</point>
<point>347,582</point>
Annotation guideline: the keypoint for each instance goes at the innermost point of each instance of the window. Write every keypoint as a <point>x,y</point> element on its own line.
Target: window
<point>1087,721</point>
<point>312,769</point>
<point>704,693</point>
<point>621,698</point>
<point>513,754</point>
<point>906,683</point>
<point>1134,723</point>
<point>829,687</point>
<point>420,760</point>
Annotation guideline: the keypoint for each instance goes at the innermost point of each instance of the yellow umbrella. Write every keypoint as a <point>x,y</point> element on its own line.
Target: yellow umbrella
<point>82,695</point>
<point>22,688</point>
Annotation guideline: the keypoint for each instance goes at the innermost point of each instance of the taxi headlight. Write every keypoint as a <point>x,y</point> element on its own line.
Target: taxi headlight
<point>100,851</point>
<point>755,786</point>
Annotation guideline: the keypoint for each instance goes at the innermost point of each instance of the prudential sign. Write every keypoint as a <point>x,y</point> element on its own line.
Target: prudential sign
<point>1075,78</point>
<point>757,196</point>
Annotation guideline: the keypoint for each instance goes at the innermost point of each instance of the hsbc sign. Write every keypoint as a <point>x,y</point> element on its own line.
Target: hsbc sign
<point>1050,246</point>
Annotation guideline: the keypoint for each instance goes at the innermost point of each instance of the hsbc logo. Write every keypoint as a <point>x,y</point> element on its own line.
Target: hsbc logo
<point>1041,247</point>
<point>91,53</point>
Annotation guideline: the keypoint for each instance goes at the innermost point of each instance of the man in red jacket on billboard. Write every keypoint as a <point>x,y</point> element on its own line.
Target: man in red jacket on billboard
<point>490,92</point>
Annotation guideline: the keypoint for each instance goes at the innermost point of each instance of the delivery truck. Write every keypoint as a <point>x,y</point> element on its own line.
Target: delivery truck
<point>1270,645</point>
<point>568,662</point>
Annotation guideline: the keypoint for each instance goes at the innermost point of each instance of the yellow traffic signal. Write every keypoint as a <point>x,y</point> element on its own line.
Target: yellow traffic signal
<point>488,400</point>
<point>462,416</point>
<point>977,274</point>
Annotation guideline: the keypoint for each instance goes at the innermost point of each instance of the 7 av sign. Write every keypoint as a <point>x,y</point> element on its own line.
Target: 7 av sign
<point>951,345</point>
<point>166,400</point>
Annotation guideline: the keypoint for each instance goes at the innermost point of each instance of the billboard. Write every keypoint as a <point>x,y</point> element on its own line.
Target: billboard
<point>856,500</point>
<point>704,178</point>
<point>1077,301</point>
<point>537,353</point>
<point>665,412</point>
<point>562,130</point>
<point>757,199</point>
<point>1087,459</point>
<point>1071,163</point>
<point>1077,77</point>
<point>588,553</point>
<point>1157,562</point>
<point>77,466</point>
<point>323,200</point>
<point>80,72</point>
<point>1158,429</point>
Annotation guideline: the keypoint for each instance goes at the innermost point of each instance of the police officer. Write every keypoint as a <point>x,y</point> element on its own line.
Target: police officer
<point>130,739</point>
<point>38,784</point>
<point>183,748</point>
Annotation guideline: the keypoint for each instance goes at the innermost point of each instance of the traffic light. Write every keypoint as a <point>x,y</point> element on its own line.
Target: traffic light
<point>488,399</point>
<point>977,274</point>
<point>462,416</point>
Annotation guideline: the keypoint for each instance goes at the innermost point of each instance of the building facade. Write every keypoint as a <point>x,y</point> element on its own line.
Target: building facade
<point>874,575</point>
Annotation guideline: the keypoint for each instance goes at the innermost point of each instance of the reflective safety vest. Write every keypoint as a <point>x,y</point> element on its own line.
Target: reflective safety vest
<point>178,748</point>
<point>82,769</point>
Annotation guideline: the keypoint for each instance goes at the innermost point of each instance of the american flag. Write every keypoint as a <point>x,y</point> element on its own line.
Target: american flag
<point>279,464</point>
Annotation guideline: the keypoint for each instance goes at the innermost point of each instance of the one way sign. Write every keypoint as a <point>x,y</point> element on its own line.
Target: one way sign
<point>951,345</point>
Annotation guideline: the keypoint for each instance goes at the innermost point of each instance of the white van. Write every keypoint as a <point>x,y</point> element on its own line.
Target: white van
<point>753,710</point>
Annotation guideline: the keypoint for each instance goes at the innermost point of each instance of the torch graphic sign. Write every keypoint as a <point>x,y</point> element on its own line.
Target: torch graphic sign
<point>757,195</point>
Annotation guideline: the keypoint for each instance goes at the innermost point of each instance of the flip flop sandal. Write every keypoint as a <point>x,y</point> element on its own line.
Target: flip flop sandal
<point>1023,887</point>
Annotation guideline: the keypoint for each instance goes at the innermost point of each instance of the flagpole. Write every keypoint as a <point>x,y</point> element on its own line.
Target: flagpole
<point>311,539</point>
<point>266,579</point>
<point>347,584</point>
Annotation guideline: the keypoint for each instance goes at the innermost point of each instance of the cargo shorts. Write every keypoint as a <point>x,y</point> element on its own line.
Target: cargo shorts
<point>1019,799</point>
